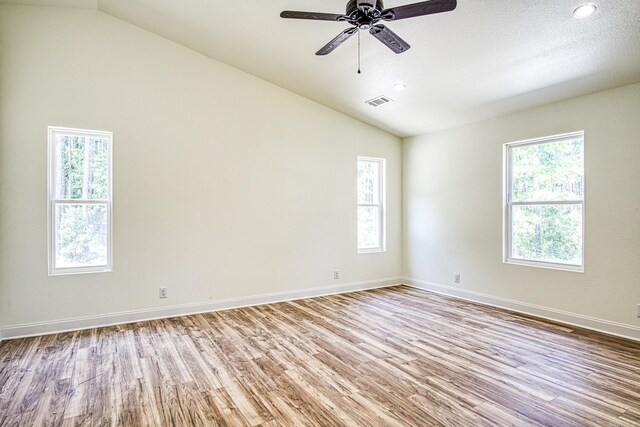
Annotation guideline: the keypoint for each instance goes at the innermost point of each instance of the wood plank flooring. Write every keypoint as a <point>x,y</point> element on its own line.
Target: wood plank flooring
<point>390,357</point>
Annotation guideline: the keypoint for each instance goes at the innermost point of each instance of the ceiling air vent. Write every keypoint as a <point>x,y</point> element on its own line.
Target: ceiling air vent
<point>378,101</point>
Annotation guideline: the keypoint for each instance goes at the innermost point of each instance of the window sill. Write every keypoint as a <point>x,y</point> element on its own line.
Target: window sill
<point>71,271</point>
<point>370,251</point>
<point>547,265</point>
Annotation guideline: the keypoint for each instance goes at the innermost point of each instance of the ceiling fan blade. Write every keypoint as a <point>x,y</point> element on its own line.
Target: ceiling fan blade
<point>340,38</point>
<point>291,14</point>
<point>418,9</point>
<point>389,38</point>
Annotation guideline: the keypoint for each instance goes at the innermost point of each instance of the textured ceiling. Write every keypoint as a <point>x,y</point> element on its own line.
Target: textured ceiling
<point>486,58</point>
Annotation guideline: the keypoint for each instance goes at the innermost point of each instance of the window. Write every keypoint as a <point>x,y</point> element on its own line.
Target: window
<point>79,208</point>
<point>371,190</point>
<point>544,202</point>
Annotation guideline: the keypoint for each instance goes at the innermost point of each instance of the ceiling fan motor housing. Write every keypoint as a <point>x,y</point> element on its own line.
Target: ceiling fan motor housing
<point>364,13</point>
<point>364,5</point>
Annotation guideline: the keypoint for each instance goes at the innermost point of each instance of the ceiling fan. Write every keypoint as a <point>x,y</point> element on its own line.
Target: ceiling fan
<point>365,15</point>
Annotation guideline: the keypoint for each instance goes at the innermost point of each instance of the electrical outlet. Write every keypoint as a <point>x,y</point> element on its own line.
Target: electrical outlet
<point>163,292</point>
<point>336,274</point>
<point>638,310</point>
<point>456,277</point>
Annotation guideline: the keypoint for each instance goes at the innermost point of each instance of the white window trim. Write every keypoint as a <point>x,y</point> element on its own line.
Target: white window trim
<point>52,202</point>
<point>507,205</point>
<point>382,197</point>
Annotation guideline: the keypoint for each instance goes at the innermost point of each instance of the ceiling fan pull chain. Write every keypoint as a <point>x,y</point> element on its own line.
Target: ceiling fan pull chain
<point>358,51</point>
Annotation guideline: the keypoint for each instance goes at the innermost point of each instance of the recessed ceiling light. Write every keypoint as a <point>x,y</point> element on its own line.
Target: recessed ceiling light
<point>399,86</point>
<point>584,10</point>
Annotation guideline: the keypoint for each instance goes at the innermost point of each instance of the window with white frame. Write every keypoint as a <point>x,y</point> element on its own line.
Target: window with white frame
<point>79,208</point>
<point>371,192</point>
<point>544,202</point>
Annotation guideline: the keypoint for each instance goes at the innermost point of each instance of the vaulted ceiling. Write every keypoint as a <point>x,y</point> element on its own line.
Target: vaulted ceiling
<point>484,59</point>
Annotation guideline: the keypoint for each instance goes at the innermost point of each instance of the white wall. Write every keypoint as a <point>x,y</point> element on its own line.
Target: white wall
<point>224,185</point>
<point>453,208</point>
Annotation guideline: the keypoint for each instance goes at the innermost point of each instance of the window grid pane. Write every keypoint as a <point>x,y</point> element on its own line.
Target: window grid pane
<point>368,182</point>
<point>81,167</point>
<point>551,171</point>
<point>547,233</point>
<point>81,235</point>
<point>368,227</point>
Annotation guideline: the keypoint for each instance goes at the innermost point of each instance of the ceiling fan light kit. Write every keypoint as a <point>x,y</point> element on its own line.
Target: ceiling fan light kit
<point>365,15</point>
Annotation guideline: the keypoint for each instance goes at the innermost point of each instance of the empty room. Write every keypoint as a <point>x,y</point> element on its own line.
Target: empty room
<point>319,213</point>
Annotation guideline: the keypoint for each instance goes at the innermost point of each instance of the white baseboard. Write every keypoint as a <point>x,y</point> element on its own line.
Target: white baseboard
<point>78,323</point>
<point>600,325</point>
<point>64,325</point>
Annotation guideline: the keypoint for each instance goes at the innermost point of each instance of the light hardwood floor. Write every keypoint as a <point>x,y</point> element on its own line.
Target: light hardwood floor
<point>389,357</point>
